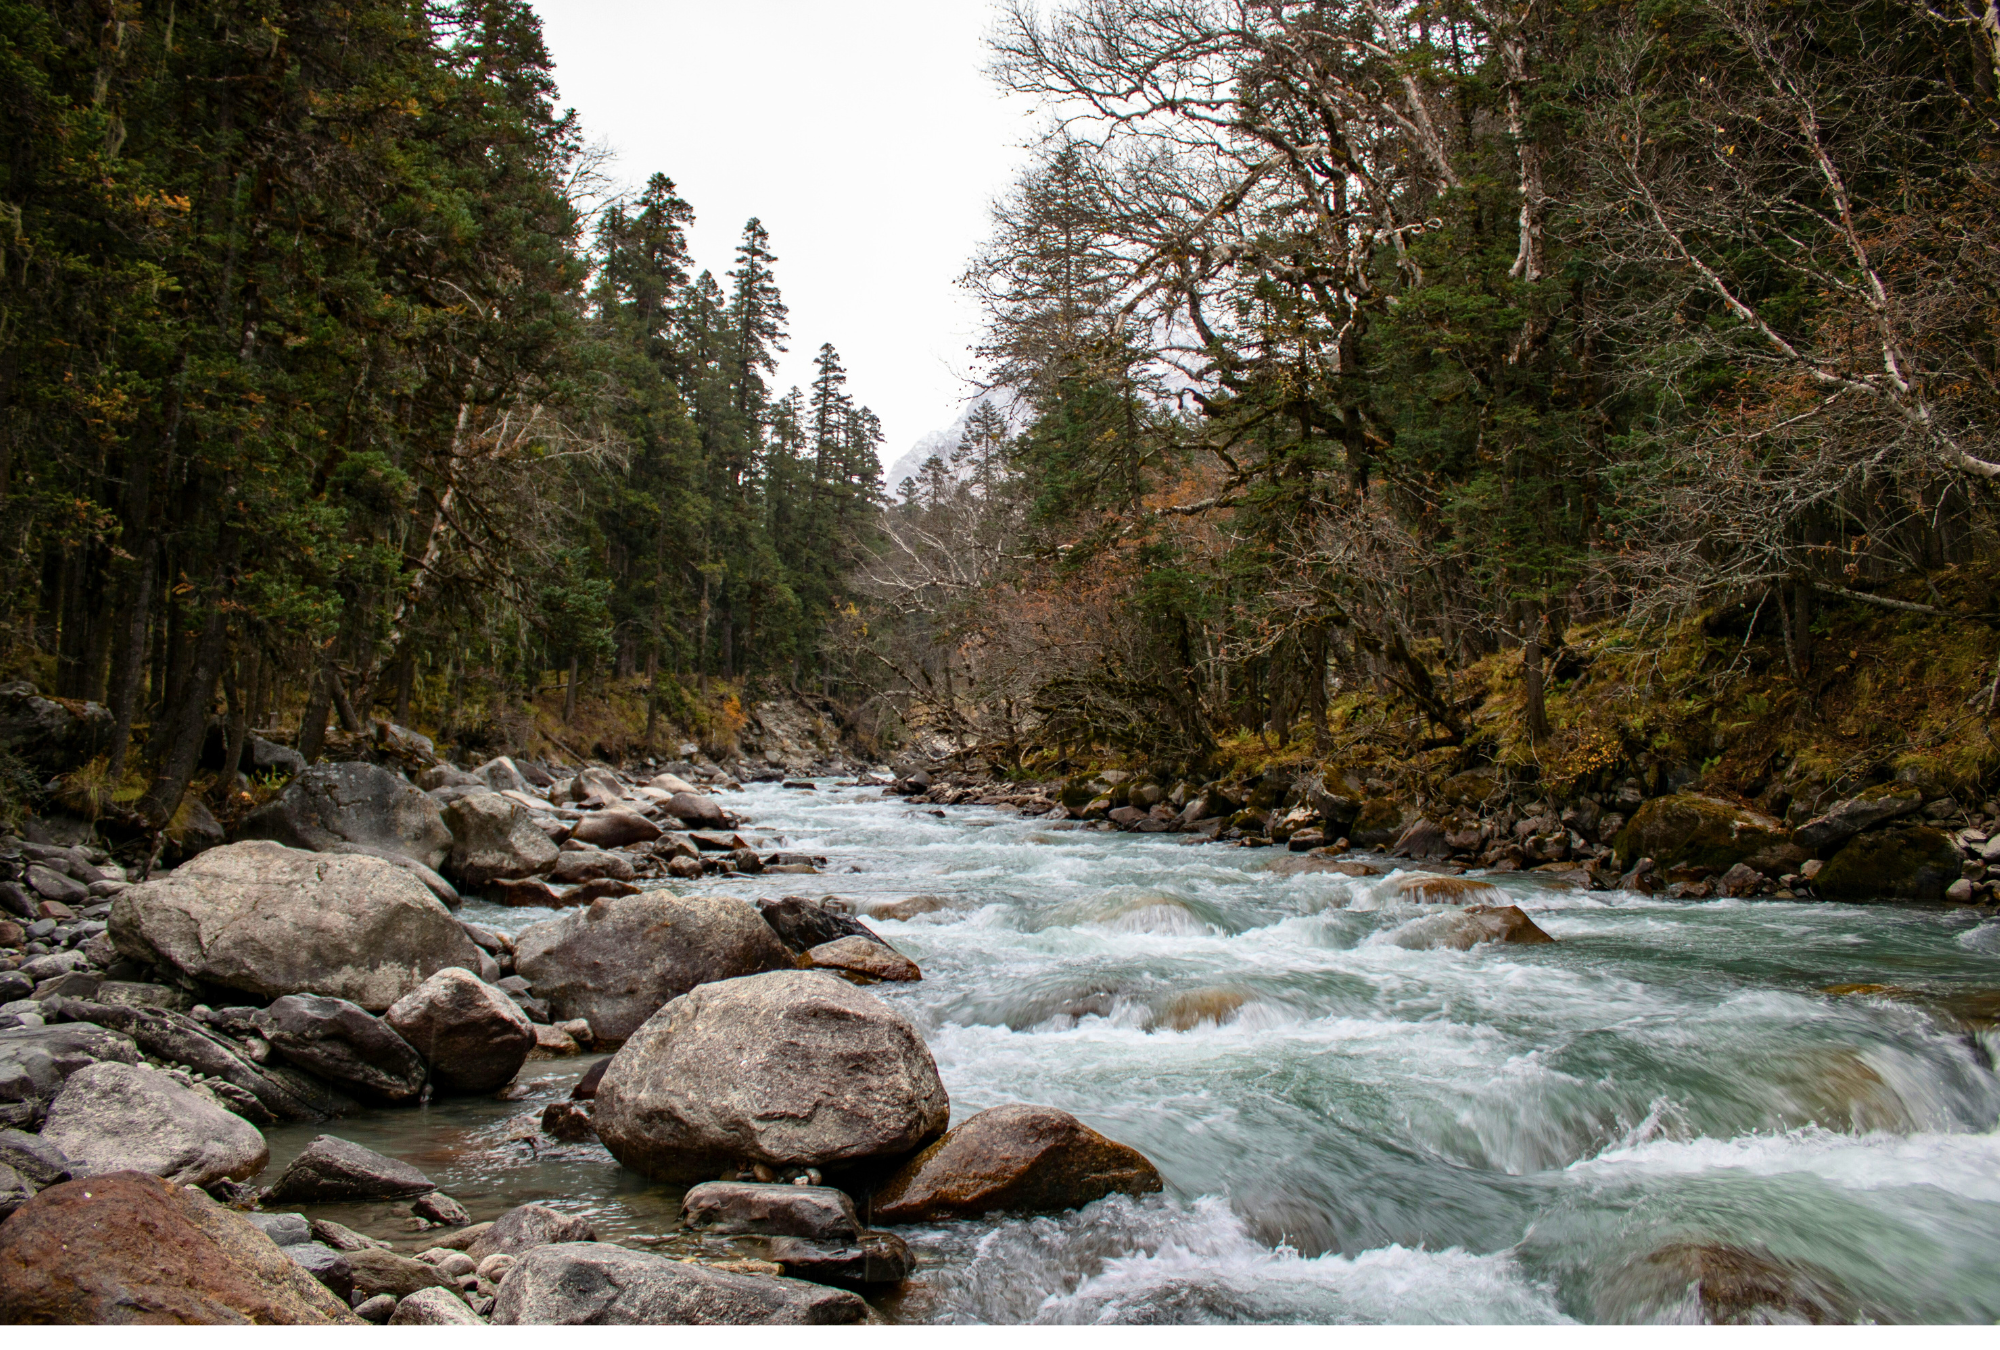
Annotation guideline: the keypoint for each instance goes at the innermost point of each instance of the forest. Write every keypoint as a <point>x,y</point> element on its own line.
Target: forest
<point>1354,372</point>
<point>331,386</point>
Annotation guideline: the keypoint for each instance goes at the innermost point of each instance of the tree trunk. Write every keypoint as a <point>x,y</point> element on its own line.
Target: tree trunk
<point>652,695</point>
<point>312,723</point>
<point>131,662</point>
<point>569,693</point>
<point>243,678</point>
<point>1531,681</point>
<point>187,720</point>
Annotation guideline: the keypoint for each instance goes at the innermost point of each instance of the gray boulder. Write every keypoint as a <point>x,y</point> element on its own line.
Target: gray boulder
<point>353,803</point>
<point>36,1061</point>
<point>771,1208</point>
<point>287,1230</point>
<point>338,1169</point>
<point>620,960</point>
<point>15,1190</point>
<point>323,1263</point>
<point>473,1036</point>
<point>596,1284</point>
<point>434,1308</point>
<point>262,756</point>
<point>127,1118</point>
<point>272,921</point>
<point>791,1069</point>
<point>525,1227</point>
<point>590,864</point>
<point>34,1157</point>
<point>503,775</point>
<point>49,734</point>
<point>697,812</point>
<point>344,1044</point>
<point>492,837</point>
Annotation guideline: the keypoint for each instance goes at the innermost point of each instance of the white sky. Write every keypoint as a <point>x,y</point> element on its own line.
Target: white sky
<point>867,138</point>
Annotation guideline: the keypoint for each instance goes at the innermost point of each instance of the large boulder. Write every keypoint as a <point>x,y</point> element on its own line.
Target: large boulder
<point>620,960</point>
<point>1911,862</point>
<point>1690,830</point>
<point>353,803</point>
<point>125,1117</point>
<point>696,811</point>
<point>1863,811</point>
<point>597,1284</point>
<point>615,828</point>
<point>129,1248</point>
<point>492,837</point>
<point>330,1168</point>
<point>36,1061</point>
<point>272,921</point>
<point>791,1069</point>
<point>526,1227</point>
<point>1025,1158</point>
<point>473,1036</point>
<point>344,1043</point>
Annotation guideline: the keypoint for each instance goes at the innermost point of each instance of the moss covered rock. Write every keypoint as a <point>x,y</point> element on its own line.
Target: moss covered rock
<point>1380,821</point>
<point>1915,862</point>
<point>1690,830</point>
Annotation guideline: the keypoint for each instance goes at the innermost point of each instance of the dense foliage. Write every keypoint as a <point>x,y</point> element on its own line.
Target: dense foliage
<point>321,388</point>
<point>1355,344</point>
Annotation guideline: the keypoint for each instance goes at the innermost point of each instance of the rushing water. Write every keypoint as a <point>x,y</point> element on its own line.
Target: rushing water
<point>1354,1127</point>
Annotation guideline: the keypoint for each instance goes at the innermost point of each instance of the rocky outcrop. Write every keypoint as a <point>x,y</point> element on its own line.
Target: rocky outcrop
<point>526,1227</point>
<point>789,1069</point>
<point>344,1044</point>
<point>354,803</point>
<point>129,1248</point>
<point>1863,811</point>
<point>596,1284</point>
<point>863,961</point>
<point>1909,862</point>
<point>761,1207</point>
<point>1689,830</point>
<point>492,838</point>
<point>272,920</point>
<point>1027,1158</point>
<point>619,961</point>
<point>126,1117</point>
<point>473,1036</point>
<point>338,1169</point>
<point>36,1061</point>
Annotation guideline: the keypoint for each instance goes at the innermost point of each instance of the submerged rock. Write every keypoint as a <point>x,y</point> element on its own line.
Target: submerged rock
<point>1462,929</point>
<point>130,1248</point>
<point>622,959</point>
<point>272,921</point>
<point>1722,1285</point>
<point>338,1169</point>
<point>1432,890</point>
<point>789,1069</point>
<point>1026,1158</point>
<point>354,803</point>
<point>125,1117</point>
<point>474,1037</point>
<point>596,1284</point>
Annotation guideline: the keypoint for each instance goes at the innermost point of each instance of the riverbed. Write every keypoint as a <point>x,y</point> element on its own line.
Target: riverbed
<point>1353,1128</point>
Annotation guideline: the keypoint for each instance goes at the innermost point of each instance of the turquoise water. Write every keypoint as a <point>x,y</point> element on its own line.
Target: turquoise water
<point>1357,1127</point>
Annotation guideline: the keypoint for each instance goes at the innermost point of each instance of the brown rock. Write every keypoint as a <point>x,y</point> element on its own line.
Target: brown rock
<point>863,961</point>
<point>472,1035</point>
<point>531,893</point>
<point>614,828</point>
<point>1462,929</point>
<point>526,1227</point>
<point>1025,1158</point>
<point>126,1249</point>
<point>377,1270</point>
<point>1430,890</point>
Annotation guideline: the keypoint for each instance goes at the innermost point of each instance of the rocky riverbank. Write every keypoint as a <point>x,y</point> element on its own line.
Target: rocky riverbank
<point>313,965</point>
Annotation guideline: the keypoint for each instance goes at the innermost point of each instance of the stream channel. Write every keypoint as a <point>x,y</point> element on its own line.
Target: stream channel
<point>1371,1132</point>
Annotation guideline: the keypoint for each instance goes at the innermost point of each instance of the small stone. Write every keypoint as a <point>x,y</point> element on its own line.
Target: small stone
<point>433,1308</point>
<point>568,1123</point>
<point>287,1230</point>
<point>526,1227</point>
<point>864,961</point>
<point>441,1208</point>
<point>872,1258</point>
<point>323,1263</point>
<point>797,1211</point>
<point>1959,892</point>
<point>338,1169</point>
<point>495,1267</point>
<point>377,1309</point>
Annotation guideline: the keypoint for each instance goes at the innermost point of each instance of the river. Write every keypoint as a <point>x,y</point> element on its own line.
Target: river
<point>1355,1129</point>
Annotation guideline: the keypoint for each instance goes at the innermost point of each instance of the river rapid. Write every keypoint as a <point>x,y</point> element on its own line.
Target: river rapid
<point>1354,1127</point>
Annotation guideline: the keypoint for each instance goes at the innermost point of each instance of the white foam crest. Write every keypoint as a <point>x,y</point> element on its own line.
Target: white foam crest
<point>1963,1165</point>
<point>1196,1263</point>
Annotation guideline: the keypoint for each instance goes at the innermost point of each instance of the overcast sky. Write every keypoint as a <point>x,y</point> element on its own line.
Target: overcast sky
<point>867,138</point>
